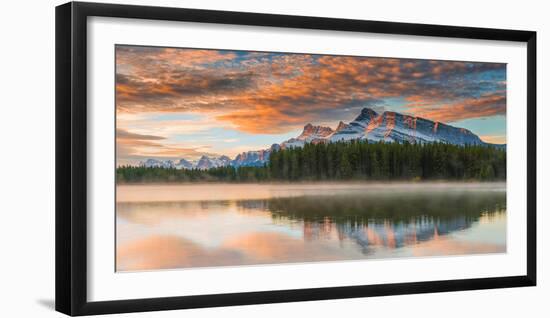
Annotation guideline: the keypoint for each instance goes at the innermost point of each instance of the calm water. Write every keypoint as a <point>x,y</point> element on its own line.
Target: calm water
<point>179,226</point>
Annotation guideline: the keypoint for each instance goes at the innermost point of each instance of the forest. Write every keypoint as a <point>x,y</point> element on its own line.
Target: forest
<point>346,161</point>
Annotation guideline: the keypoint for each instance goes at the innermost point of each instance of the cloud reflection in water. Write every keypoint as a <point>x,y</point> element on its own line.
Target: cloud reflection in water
<point>312,227</point>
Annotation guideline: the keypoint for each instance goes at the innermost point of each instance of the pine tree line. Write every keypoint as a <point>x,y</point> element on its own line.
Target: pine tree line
<point>354,160</point>
<point>133,174</point>
<point>359,160</point>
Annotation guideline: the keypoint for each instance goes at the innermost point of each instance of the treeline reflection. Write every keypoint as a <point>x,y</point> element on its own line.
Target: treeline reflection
<point>381,219</point>
<point>371,220</point>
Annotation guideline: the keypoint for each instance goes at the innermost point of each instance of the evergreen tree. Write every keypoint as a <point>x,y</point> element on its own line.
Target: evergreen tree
<point>353,160</point>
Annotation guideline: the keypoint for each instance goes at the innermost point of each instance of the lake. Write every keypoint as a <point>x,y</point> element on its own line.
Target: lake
<point>205,225</point>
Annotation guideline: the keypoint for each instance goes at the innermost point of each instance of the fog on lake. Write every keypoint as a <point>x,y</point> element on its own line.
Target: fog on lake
<point>204,225</point>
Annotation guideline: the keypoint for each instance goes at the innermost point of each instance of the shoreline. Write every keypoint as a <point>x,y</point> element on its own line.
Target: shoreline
<point>259,191</point>
<point>313,182</point>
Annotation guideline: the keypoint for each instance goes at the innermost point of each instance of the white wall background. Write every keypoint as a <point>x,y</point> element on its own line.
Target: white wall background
<point>27,158</point>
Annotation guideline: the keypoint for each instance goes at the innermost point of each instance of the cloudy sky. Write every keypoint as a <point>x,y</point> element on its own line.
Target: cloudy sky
<point>183,103</point>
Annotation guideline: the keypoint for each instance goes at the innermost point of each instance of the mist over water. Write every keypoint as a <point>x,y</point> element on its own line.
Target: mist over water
<point>180,226</point>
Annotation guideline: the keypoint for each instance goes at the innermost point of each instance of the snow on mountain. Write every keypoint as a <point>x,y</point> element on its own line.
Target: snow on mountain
<point>251,158</point>
<point>184,164</point>
<point>224,161</point>
<point>212,162</point>
<point>154,163</point>
<point>368,125</point>
<point>310,134</point>
<point>314,132</point>
<point>204,162</point>
<point>392,127</point>
<point>341,126</point>
<point>292,142</point>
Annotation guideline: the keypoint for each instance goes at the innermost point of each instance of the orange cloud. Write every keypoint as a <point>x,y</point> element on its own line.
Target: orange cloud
<point>138,146</point>
<point>272,93</point>
<point>142,58</point>
<point>484,106</point>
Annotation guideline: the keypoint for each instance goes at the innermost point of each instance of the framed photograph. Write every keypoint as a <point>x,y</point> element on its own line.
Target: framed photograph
<point>208,158</point>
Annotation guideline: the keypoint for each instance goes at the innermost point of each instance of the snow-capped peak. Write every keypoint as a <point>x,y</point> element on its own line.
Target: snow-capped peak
<point>206,162</point>
<point>367,114</point>
<point>369,125</point>
<point>391,126</point>
<point>154,163</point>
<point>311,132</point>
<point>341,126</point>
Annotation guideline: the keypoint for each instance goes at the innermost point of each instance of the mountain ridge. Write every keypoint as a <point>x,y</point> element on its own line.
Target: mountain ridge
<point>369,125</point>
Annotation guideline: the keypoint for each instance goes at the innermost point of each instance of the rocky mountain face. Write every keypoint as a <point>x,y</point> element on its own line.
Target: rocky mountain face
<point>395,127</point>
<point>251,158</point>
<point>184,164</point>
<point>154,163</point>
<point>212,162</point>
<point>310,134</point>
<point>369,125</point>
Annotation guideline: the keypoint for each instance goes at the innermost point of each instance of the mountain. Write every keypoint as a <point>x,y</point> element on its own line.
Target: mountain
<point>251,158</point>
<point>369,125</point>
<point>212,162</point>
<point>392,126</point>
<point>341,126</point>
<point>184,164</point>
<point>154,163</point>
<point>310,134</point>
<point>204,162</point>
<point>314,132</point>
<point>387,126</point>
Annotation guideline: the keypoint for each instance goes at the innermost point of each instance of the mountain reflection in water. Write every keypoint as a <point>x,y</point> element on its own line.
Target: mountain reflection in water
<point>309,227</point>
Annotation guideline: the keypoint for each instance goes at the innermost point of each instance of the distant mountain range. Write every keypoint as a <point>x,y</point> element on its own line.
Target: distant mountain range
<point>369,125</point>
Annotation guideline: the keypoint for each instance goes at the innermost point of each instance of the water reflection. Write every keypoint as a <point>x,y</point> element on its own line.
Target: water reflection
<point>313,226</point>
<point>387,220</point>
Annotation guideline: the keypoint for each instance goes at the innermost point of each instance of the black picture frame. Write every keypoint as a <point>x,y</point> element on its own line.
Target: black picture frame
<point>71,157</point>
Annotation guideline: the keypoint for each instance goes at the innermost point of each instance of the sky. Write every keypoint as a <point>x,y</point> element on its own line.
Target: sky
<point>174,103</point>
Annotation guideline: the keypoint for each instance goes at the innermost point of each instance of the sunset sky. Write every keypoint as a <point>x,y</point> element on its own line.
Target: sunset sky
<point>182,103</point>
